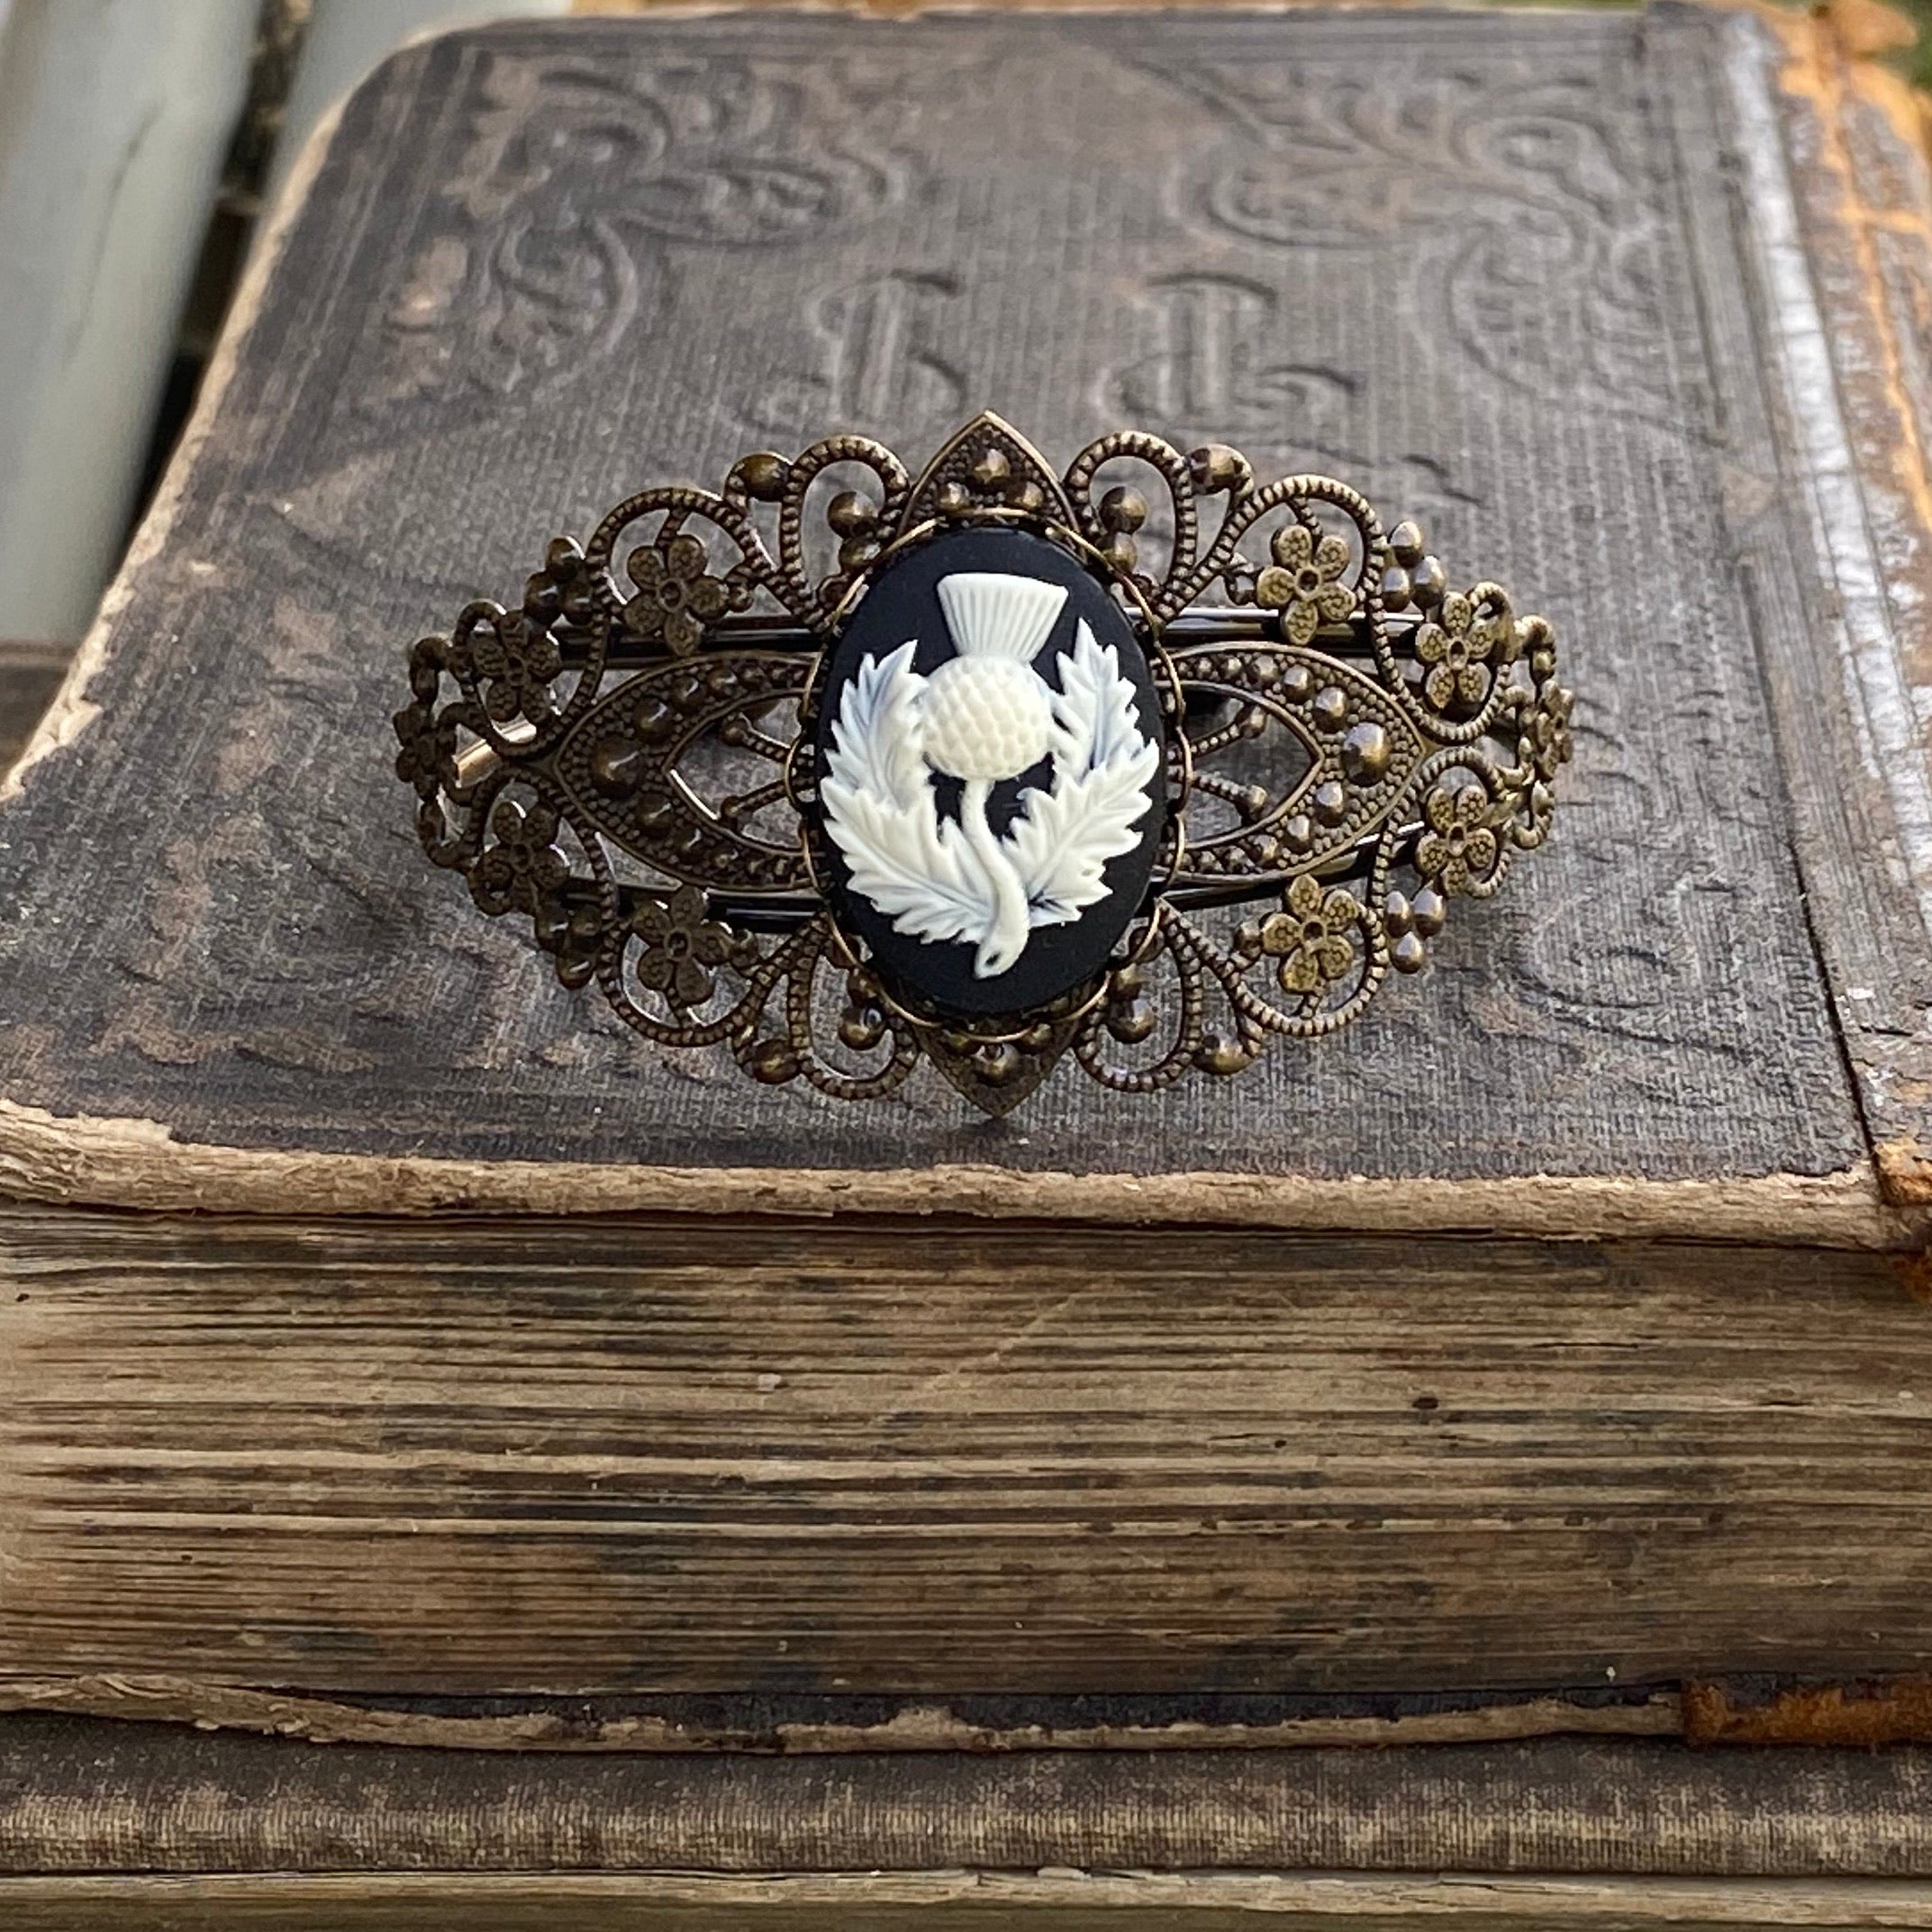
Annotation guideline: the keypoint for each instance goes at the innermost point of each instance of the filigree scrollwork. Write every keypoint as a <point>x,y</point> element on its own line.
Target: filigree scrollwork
<point>632,759</point>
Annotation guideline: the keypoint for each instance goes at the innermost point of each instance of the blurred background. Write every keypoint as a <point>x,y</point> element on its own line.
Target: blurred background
<point>140,143</point>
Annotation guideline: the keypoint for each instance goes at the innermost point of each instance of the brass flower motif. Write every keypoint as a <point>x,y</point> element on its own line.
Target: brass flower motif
<point>1311,937</point>
<point>524,868</point>
<point>1545,744</point>
<point>676,597</point>
<point>1458,846</point>
<point>516,659</point>
<point>1457,645</point>
<point>1303,582</point>
<point>429,745</point>
<point>682,948</point>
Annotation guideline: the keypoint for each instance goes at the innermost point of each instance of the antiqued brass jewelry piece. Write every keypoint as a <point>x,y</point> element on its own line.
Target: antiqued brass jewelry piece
<point>953,769</point>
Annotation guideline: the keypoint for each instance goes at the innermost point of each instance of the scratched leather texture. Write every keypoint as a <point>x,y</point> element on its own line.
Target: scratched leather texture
<point>1461,261</point>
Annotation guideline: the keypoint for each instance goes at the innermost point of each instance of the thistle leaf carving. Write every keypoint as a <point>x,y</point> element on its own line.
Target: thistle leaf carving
<point>930,877</point>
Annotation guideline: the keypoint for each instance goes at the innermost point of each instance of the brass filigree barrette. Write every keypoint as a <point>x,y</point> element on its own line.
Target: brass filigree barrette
<point>839,770</point>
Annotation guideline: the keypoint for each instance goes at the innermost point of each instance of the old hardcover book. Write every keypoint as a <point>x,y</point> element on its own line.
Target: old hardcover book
<point>1550,1343</point>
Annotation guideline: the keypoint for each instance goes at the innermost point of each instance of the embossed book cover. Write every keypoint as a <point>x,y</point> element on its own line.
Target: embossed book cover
<point>1500,275</point>
<point>1618,307</point>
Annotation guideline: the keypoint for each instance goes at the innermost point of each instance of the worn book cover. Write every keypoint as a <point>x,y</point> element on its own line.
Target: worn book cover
<point>1561,287</point>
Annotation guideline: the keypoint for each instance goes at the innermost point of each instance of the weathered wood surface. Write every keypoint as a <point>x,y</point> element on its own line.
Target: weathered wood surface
<point>952,1901</point>
<point>78,1796</point>
<point>1499,290</point>
<point>628,1456</point>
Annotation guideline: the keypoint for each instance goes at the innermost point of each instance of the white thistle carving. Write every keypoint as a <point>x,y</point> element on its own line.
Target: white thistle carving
<point>982,716</point>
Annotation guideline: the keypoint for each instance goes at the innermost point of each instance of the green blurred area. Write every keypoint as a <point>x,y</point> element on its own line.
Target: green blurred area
<point>1916,60</point>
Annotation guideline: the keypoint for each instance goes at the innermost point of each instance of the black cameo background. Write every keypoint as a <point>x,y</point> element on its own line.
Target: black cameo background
<point>903,604</point>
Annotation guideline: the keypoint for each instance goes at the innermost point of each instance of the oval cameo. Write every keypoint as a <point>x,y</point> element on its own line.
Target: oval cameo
<point>991,788</point>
